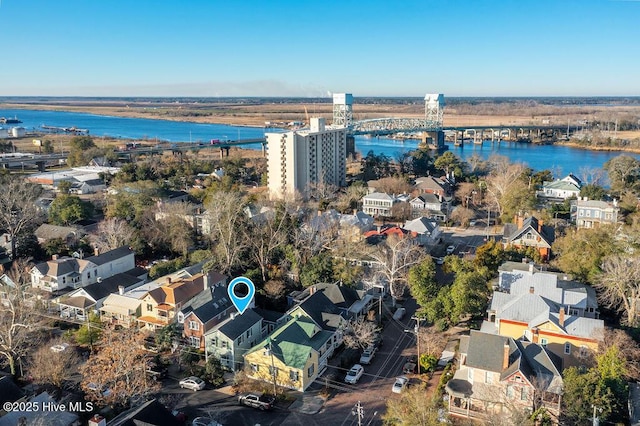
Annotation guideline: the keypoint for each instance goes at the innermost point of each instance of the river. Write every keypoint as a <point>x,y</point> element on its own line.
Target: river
<point>561,159</point>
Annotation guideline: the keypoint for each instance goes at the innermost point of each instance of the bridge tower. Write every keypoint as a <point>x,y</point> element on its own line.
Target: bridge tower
<point>342,109</point>
<point>433,121</point>
<point>434,111</point>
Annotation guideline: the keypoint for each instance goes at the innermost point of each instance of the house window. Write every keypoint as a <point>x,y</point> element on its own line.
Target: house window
<point>567,348</point>
<point>510,391</point>
<point>524,394</point>
<point>588,213</point>
<point>194,325</point>
<point>470,375</point>
<point>293,375</point>
<point>581,213</point>
<point>488,377</point>
<point>543,342</point>
<point>149,307</point>
<point>529,236</point>
<point>596,213</point>
<point>194,341</point>
<point>223,344</point>
<point>273,371</point>
<point>255,368</point>
<point>180,318</point>
<point>311,370</point>
<point>583,351</point>
<point>249,333</point>
<point>240,340</point>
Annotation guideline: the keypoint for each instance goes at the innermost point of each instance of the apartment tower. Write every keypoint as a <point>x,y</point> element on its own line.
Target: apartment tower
<point>301,158</point>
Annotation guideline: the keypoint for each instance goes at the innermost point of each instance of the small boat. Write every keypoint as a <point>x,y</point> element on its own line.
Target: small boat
<point>14,120</point>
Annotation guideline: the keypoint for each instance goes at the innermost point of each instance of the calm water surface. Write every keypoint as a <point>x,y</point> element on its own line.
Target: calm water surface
<point>561,159</point>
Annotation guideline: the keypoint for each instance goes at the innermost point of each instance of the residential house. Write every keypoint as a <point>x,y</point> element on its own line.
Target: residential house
<point>230,339</point>
<point>68,234</point>
<point>331,306</point>
<point>561,189</point>
<point>547,309</point>
<point>293,356</point>
<point>441,187</point>
<point>378,204</point>
<point>207,309</point>
<point>425,231</point>
<point>124,309</point>
<point>70,272</point>
<point>161,305</point>
<point>529,232</point>
<point>429,205</point>
<point>79,303</point>
<point>591,213</point>
<point>498,374</point>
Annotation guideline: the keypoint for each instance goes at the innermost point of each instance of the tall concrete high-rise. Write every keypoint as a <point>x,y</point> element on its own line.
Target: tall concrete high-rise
<point>297,160</point>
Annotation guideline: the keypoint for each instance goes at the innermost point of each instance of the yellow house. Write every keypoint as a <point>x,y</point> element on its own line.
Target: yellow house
<point>555,313</point>
<point>291,355</point>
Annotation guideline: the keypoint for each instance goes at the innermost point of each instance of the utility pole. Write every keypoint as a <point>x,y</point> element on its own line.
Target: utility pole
<point>416,331</point>
<point>273,367</point>
<point>358,411</point>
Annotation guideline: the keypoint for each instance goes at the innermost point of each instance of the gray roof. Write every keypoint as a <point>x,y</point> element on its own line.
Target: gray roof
<point>234,327</point>
<point>101,290</point>
<point>421,225</point>
<point>209,303</point>
<point>47,232</point>
<point>378,196</point>
<point>110,255</point>
<point>427,198</point>
<point>151,413</point>
<point>530,224</point>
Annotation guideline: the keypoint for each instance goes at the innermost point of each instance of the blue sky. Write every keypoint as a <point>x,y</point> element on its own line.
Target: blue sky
<point>287,48</point>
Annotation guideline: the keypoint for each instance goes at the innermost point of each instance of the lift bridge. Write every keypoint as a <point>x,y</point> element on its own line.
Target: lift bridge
<point>432,121</point>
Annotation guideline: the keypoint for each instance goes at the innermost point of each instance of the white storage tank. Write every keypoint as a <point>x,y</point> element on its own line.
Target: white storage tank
<point>4,133</point>
<point>18,132</point>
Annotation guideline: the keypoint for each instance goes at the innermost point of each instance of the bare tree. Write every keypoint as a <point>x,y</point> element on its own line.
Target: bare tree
<point>267,235</point>
<point>412,408</point>
<point>314,236</point>
<point>628,349</point>
<point>462,215</point>
<point>619,285</point>
<point>350,198</point>
<point>591,175</point>
<point>116,372</point>
<point>19,323</point>
<point>502,181</point>
<point>111,234</point>
<point>18,209</point>
<point>360,333</point>
<point>394,257</point>
<point>275,289</point>
<point>393,185</point>
<point>432,341</point>
<point>227,218</point>
<point>49,367</point>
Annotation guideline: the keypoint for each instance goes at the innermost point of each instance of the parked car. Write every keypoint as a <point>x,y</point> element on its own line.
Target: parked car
<point>157,372</point>
<point>204,421</point>
<point>438,260</point>
<point>60,347</point>
<point>194,383</point>
<point>451,249</point>
<point>409,367</point>
<point>400,384</point>
<point>367,355</point>
<point>399,314</point>
<point>261,402</point>
<point>354,374</point>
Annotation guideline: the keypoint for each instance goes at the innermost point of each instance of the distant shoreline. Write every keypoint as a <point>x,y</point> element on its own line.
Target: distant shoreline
<point>599,148</point>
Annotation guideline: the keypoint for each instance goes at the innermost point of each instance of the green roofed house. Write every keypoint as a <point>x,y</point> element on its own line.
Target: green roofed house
<point>295,354</point>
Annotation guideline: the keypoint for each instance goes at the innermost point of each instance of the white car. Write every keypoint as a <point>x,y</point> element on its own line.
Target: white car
<point>367,355</point>
<point>399,314</point>
<point>354,374</point>
<point>400,384</point>
<point>194,383</point>
<point>451,249</point>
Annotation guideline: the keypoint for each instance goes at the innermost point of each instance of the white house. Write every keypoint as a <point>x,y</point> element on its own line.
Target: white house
<point>561,189</point>
<point>425,231</point>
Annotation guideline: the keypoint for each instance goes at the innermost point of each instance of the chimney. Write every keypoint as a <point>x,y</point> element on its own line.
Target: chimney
<point>540,223</point>
<point>54,257</point>
<point>355,212</point>
<point>96,251</point>
<point>532,290</point>
<point>505,355</point>
<point>120,289</point>
<point>312,290</point>
<point>319,213</point>
<point>520,221</point>
<point>168,280</point>
<point>532,267</point>
<point>205,280</point>
<point>97,420</point>
<point>561,317</point>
